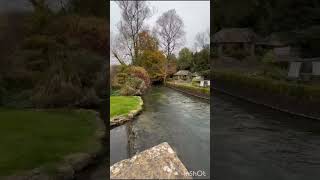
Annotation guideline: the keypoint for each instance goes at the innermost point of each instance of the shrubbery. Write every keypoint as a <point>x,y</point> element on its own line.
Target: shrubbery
<point>193,89</point>
<point>130,80</point>
<point>133,86</point>
<point>57,57</point>
<point>139,72</point>
<point>269,57</point>
<point>267,85</point>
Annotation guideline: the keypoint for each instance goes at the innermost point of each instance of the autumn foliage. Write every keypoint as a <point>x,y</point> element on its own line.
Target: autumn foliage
<point>141,73</point>
<point>150,57</point>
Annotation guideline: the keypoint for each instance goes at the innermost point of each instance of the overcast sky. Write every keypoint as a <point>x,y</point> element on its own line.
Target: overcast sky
<point>195,15</point>
<point>25,5</point>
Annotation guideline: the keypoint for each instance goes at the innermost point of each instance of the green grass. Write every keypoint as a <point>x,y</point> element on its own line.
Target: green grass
<point>121,105</point>
<point>30,138</point>
<point>190,87</point>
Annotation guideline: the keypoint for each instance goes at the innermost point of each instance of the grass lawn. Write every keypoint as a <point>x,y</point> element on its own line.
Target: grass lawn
<point>121,105</point>
<point>30,138</point>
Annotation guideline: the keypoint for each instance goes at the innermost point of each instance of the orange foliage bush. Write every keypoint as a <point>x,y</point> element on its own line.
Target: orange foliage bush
<point>140,73</point>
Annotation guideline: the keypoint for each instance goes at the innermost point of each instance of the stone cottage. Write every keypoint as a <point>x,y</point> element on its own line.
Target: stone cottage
<point>183,75</point>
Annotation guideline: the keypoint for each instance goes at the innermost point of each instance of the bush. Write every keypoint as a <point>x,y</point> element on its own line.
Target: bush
<point>114,92</point>
<point>269,58</point>
<point>274,72</point>
<point>141,73</point>
<point>133,86</point>
<point>39,42</point>
<point>65,95</point>
<point>18,100</point>
<point>131,80</point>
<point>59,87</point>
<point>119,80</point>
<point>195,82</point>
<point>205,73</point>
<point>194,89</point>
<point>89,99</point>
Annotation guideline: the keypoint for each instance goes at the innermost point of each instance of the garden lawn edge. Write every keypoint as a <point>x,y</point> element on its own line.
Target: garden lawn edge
<point>72,163</point>
<point>121,119</point>
<point>193,91</point>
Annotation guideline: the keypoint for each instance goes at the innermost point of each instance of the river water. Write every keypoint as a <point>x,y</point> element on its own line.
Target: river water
<point>250,142</point>
<point>253,142</point>
<point>168,116</point>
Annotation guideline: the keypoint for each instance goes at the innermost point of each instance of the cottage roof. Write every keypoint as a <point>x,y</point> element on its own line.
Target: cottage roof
<point>183,73</point>
<point>235,35</point>
<point>272,40</point>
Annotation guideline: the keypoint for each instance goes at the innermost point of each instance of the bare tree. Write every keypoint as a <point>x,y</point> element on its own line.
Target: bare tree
<point>134,14</point>
<point>169,30</point>
<point>119,49</point>
<point>202,40</point>
<point>170,34</point>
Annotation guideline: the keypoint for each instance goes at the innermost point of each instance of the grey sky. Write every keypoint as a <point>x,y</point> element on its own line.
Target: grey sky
<point>14,5</point>
<point>195,15</point>
<point>25,5</point>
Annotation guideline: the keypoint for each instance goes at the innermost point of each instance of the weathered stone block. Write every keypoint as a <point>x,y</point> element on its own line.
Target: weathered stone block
<point>158,162</point>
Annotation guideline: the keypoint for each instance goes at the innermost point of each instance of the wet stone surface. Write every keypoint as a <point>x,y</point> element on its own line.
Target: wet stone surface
<point>159,162</point>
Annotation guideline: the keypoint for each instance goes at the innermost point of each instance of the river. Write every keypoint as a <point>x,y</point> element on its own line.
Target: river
<point>169,116</point>
<point>250,142</point>
<point>254,142</point>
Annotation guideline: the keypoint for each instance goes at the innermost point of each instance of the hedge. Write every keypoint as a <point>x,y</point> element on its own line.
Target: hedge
<point>191,88</point>
<point>267,85</point>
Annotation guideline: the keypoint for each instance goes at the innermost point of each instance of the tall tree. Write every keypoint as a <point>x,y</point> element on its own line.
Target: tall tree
<point>134,14</point>
<point>202,40</point>
<point>170,33</point>
<point>201,61</point>
<point>185,59</point>
<point>169,29</point>
<point>150,57</point>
